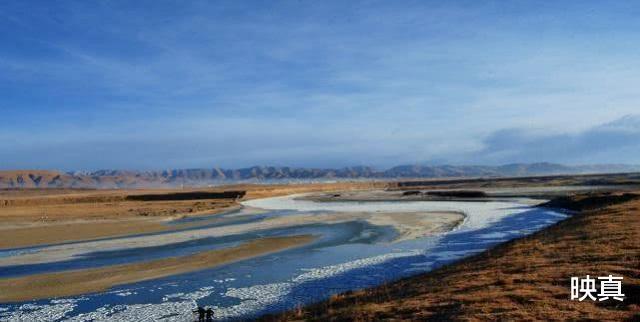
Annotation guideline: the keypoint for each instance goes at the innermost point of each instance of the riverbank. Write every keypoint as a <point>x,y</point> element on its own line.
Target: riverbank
<point>525,279</point>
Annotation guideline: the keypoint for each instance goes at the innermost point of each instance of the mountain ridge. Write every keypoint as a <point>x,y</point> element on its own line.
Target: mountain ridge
<point>107,178</point>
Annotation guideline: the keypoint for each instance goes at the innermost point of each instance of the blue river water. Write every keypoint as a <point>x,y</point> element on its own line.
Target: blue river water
<point>345,256</point>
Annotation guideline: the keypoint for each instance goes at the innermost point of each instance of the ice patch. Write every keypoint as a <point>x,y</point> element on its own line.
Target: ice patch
<point>181,310</point>
<point>450,255</point>
<point>45,313</point>
<point>494,235</point>
<point>258,297</point>
<point>254,298</point>
<point>478,214</point>
<point>328,271</point>
<point>168,311</point>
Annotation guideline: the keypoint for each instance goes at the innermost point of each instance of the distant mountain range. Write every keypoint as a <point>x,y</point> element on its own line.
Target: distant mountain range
<point>204,177</point>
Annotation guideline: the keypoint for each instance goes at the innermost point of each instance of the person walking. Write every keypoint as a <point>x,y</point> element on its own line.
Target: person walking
<point>209,315</point>
<point>201,312</point>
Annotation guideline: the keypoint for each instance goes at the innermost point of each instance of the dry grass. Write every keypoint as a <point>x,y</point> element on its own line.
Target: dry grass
<point>527,279</point>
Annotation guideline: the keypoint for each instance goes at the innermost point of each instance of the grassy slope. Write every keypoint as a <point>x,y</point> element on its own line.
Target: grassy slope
<point>526,279</point>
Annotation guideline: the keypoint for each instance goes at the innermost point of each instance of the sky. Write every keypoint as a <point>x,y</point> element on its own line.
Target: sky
<point>88,85</point>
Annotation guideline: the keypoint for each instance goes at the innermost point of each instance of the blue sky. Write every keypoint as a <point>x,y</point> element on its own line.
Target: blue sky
<point>161,84</point>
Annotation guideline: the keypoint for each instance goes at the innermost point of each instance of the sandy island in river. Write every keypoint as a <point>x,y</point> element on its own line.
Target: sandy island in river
<point>100,279</point>
<point>33,217</point>
<point>409,225</point>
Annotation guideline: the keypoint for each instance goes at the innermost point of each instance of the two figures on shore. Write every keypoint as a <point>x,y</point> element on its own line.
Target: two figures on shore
<point>204,315</point>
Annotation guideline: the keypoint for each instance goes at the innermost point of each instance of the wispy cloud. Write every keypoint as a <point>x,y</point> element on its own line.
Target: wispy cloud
<point>321,83</point>
<point>616,141</point>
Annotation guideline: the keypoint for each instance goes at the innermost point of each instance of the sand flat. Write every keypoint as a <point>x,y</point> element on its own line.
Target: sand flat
<point>89,230</point>
<point>32,217</point>
<point>100,279</point>
<point>75,231</point>
<point>422,224</point>
<point>411,225</point>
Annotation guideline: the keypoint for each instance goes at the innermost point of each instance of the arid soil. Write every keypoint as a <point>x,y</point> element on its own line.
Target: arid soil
<point>523,280</point>
<point>100,279</point>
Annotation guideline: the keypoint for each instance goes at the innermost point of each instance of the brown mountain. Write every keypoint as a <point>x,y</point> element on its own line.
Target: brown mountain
<point>204,177</point>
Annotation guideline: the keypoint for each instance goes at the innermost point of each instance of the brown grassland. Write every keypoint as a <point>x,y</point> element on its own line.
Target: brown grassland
<point>523,280</point>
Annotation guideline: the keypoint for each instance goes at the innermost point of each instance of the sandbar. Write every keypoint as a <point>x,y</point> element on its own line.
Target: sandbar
<point>76,282</point>
<point>408,224</point>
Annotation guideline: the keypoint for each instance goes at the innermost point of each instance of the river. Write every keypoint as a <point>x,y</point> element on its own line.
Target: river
<point>346,255</point>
